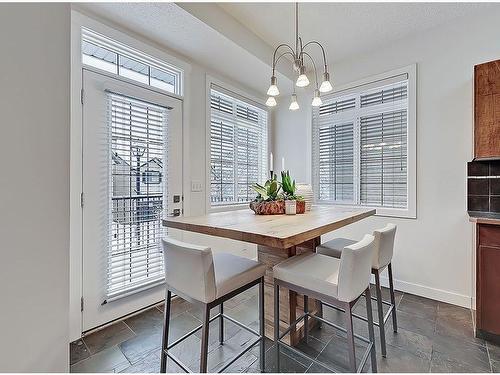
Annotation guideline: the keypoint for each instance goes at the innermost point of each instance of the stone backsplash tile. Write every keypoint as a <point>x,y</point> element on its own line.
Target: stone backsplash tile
<point>483,186</point>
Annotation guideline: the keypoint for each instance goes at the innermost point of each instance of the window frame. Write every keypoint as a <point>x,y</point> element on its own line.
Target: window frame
<point>123,50</point>
<point>350,89</point>
<point>258,102</point>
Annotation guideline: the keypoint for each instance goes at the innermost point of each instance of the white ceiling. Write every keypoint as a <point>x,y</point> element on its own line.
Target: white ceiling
<point>212,34</point>
<point>346,29</point>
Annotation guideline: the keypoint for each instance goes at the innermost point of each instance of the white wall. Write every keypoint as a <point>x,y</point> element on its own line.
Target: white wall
<point>34,188</point>
<point>434,252</point>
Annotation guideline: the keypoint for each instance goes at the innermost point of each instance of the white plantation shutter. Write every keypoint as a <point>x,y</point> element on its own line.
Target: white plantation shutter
<point>360,145</point>
<point>238,148</point>
<point>336,162</point>
<point>138,160</point>
<point>383,160</point>
<point>334,150</point>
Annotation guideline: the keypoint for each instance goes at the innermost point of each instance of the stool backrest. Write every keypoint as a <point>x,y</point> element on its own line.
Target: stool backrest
<point>189,270</point>
<point>355,268</point>
<point>384,246</point>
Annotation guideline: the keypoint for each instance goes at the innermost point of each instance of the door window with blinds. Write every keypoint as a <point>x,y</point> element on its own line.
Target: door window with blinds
<point>238,147</point>
<point>138,160</point>
<point>363,147</point>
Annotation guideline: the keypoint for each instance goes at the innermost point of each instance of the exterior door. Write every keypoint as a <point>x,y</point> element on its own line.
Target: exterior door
<point>132,175</point>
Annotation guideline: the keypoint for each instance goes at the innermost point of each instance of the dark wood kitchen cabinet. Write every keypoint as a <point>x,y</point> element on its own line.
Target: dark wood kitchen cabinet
<point>487,110</point>
<point>488,282</point>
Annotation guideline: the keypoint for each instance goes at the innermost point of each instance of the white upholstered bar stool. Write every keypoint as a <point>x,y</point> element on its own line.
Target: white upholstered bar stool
<point>195,274</point>
<point>338,282</point>
<point>382,257</point>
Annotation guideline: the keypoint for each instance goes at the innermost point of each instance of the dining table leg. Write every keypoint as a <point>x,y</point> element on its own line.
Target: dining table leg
<point>291,303</point>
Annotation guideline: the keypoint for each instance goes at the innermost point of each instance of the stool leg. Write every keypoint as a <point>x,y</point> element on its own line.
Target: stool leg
<point>306,318</point>
<point>262,326</point>
<point>320,313</point>
<point>221,324</point>
<point>204,339</point>
<point>350,338</point>
<point>371,334</point>
<point>277,324</point>
<point>166,324</point>
<point>380,311</point>
<point>393,299</point>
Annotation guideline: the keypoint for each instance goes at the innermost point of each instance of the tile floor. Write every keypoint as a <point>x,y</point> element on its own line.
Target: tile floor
<point>432,337</point>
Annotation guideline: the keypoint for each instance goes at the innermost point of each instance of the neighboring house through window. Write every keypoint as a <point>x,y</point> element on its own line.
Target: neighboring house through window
<point>364,145</point>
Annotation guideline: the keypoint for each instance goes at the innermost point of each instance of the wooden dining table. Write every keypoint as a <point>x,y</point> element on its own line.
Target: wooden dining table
<point>278,237</point>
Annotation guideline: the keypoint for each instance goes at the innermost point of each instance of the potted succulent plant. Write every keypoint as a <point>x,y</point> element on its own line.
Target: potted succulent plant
<point>268,200</point>
<point>294,204</point>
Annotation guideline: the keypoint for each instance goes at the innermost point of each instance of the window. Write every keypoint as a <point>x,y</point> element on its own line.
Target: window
<point>362,151</point>
<point>151,177</point>
<point>113,57</point>
<point>238,147</point>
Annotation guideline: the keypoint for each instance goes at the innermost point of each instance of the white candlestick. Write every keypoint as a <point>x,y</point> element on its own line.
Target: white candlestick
<point>271,162</point>
<point>283,163</point>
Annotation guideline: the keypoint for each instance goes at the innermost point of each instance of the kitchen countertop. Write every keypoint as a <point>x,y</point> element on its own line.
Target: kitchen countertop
<point>484,217</point>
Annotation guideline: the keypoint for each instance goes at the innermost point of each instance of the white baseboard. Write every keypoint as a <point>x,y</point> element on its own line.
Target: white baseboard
<point>432,293</point>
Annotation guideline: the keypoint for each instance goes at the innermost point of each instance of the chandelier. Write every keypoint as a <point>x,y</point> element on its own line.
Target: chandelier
<point>299,56</point>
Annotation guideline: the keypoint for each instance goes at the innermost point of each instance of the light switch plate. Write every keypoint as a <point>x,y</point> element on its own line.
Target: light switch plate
<point>196,186</point>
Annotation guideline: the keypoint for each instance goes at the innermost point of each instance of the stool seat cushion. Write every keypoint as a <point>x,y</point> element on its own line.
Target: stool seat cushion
<point>333,248</point>
<point>232,272</point>
<point>310,271</point>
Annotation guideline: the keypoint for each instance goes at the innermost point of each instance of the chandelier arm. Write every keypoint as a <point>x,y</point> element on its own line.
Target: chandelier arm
<point>322,50</point>
<point>314,66</point>
<point>283,54</point>
<point>276,50</point>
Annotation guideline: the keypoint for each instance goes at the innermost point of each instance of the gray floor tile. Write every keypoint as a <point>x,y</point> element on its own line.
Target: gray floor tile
<point>494,351</point>
<point>230,329</point>
<point>452,312</point>
<point>188,352</point>
<point>457,328</point>
<point>77,352</point>
<point>108,360</point>
<point>180,325</point>
<point>428,332</point>
<point>414,324</point>
<point>419,307</point>
<point>139,347</point>
<point>401,361</point>
<point>474,355</point>
<point>246,312</point>
<point>412,342</point>
<point>242,297</point>
<point>178,306</point>
<point>149,321</point>
<point>443,363</point>
<point>336,355</point>
<point>149,364</point>
<point>495,366</point>
<point>108,337</point>
<point>287,364</point>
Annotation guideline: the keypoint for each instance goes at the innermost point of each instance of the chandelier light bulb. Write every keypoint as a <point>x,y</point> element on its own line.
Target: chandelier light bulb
<point>316,102</point>
<point>326,86</point>
<point>273,89</point>
<point>294,105</point>
<point>302,81</point>
<point>271,102</point>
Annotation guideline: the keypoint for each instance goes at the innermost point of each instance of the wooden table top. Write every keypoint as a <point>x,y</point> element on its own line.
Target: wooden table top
<point>280,231</point>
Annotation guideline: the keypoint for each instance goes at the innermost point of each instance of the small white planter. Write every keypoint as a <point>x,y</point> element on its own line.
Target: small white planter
<point>290,207</point>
